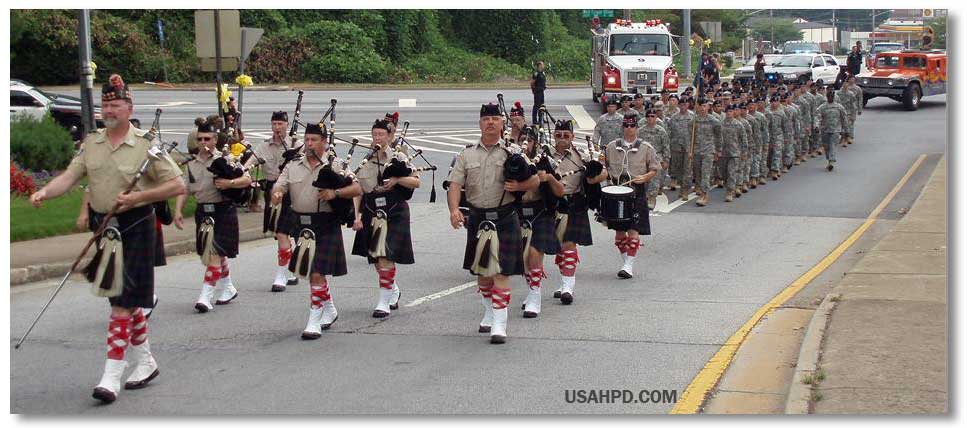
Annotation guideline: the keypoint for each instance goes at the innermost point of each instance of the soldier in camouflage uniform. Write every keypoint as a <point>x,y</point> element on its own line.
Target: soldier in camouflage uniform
<point>608,127</point>
<point>830,119</point>
<point>708,136</point>
<point>789,130</point>
<point>805,122</point>
<point>848,101</point>
<point>777,119</point>
<point>746,149</point>
<point>729,151</point>
<point>679,136</point>
<point>657,136</point>
<point>858,105</point>
<point>761,143</point>
<point>815,100</point>
<point>719,171</point>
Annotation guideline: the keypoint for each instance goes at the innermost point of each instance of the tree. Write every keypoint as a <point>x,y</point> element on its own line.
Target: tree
<point>939,26</point>
<point>783,29</point>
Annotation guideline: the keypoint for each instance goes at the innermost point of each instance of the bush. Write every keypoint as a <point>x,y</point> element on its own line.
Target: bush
<point>449,64</point>
<point>40,144</point>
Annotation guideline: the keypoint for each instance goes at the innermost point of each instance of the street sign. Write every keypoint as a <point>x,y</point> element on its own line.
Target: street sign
<point>230,38</point>
<point>601,13</point>
<point>228,64</point>
<point>712,30</point>
<point>252,36</point>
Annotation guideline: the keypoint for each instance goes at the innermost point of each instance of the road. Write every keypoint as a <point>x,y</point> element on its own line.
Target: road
<point>700,276</point>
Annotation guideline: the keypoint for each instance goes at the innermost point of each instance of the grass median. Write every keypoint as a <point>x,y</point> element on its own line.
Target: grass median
<point>56,217</point>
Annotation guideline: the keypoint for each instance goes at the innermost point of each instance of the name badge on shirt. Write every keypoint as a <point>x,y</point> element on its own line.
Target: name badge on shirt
<point>208,208</point>
<point>305,220</point>
<point>490,215</point>
<point>381,202</point>
<point>528,212</point>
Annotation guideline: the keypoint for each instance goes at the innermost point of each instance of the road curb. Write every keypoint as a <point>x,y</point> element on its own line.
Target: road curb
<point>41,272</point>
<point>798,398</point>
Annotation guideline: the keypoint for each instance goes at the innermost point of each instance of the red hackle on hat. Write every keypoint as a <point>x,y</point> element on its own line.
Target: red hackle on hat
<point>116,81</point>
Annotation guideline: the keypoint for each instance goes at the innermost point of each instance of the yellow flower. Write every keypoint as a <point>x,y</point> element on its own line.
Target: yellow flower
<point>226,94</point>
<point>708,42</point>
<point>237,149</point>
<point>243,80</point>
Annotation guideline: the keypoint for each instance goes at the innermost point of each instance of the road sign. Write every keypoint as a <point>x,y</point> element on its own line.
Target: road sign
<point>712,30</point>
<point>601,13</point>
<point>252,36</point>
<point>230,38</point>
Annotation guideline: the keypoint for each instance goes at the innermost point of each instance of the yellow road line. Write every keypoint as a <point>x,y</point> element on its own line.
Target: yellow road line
<point>706,379</point>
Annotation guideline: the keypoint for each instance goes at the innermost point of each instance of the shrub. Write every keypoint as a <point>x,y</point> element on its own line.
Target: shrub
<point>449,64</point>
<point>40,144</point>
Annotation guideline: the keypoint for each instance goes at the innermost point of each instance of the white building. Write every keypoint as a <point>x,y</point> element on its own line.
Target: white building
<point>815,32</point>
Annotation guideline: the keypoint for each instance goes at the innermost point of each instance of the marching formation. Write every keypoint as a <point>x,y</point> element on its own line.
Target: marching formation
<point>522,192</point>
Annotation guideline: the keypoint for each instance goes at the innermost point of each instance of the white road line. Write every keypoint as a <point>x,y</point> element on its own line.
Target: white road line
<point>580,116</point>
<point>435,142</point>
<point>671,206</point>
<point>407,102</point>
<point>458,139</point>
<point>440,294</point>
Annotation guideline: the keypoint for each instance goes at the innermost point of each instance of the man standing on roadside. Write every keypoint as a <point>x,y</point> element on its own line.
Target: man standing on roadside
<point>538,85</point>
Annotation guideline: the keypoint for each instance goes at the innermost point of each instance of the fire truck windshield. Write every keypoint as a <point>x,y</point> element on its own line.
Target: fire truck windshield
<point>640,44</point>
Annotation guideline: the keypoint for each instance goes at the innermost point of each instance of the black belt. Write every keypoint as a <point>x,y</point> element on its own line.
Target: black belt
<point>314,219</point>
<point>493,214</point>
<point>213,207</point>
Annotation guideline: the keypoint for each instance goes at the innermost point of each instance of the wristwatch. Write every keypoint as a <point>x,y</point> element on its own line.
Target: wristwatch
<point>337,193</point>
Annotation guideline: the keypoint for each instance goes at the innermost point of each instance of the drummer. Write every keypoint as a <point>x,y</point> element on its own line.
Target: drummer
<point>630,161</point>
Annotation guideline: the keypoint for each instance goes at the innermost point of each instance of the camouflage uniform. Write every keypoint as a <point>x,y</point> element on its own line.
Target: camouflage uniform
<point>858,104</point>
<point>746,149</point>
<point>848,101</point>
<point>789,131</point>
<point>708,136</point>
<point>658,138</point>
<point>777,119</point>
<point>805,123</point>
<point>761,145</point>
<point>733,138</point>
<point>679,138</point>
<point>830,120</point>
<point>607,129</point>
<point>815,100</point>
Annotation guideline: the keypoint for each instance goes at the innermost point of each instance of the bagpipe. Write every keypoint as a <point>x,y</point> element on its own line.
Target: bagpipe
<point>328,177</point>
<point>292,152</point>
<point>516,167</point>
<point>401,165</point>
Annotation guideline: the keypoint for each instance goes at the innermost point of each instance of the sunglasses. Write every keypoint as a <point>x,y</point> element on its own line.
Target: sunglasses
<point>650,115</point>
<point>560,134</point>
<point>204,138</point>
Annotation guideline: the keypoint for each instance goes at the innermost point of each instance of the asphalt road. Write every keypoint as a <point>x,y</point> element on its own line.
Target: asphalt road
<point>700,276</point>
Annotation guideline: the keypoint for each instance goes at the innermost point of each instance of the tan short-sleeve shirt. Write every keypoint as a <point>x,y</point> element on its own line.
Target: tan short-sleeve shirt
<point>110,170</point>
<point>297,178</point>
<point>480,170</point>
<point>201,182</point>
<point>639,162</point>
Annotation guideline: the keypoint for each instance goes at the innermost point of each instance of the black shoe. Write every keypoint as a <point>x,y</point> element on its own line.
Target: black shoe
<point>528,314</point>
<point>107,397</point>
<point>225,302</point>
<point>567,298</point>
<point>557,294</point>
<point>829,167</point>
<point>293,281</point>
<point>623,275</point>
<point>200,307</point>
<point>395,306</point>
<point>277,288</point>
<point>380,314</point>
<point>497,340</point>
<point>483,329</point>
<point>326,326</point>
<point>310,336</point>
<point>142,383</point>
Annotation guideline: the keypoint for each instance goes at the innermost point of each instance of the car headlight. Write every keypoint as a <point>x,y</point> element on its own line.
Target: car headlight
<point>890,82</point>
<point>865,81</point>
<point>610,80</point>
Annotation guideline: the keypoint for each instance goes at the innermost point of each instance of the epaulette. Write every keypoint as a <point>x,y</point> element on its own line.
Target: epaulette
<point>138,132</point>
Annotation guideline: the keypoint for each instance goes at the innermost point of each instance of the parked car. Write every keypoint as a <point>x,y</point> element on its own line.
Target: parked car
<point>801,68</point>
<point>905,76</point>
<point>746,73</point>
<point>794,47</point>
<point>65,109</point>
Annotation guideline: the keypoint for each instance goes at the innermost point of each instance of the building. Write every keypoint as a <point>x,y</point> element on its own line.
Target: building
<point>815,32</point>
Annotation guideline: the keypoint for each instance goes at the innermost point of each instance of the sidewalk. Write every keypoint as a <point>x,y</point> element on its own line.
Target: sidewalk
<point>46,258</point>
<point>885,348</point>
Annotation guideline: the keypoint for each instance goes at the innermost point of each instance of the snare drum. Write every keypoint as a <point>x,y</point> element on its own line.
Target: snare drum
<point>618,204</point>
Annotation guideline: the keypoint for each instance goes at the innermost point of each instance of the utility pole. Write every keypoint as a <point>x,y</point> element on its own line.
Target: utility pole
<point>835,30</point>
<point>87,74</point>
<point>627,14</point>
<point>218,66</point>
<point>772,29</point>
<point>686,36</point>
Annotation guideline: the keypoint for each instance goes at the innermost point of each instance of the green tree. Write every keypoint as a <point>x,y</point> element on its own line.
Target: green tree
<point>783,28</point>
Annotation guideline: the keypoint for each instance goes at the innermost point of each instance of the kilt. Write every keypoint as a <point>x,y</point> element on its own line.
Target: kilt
<point>330,257</point>
<point>226,227</point>
<point>543,236</point>
<point>578,229</point>
<point>511,255</point>
<point>159,249</point>
<point>642,225</point>
<point>139,240</point>
<point>399,244</point>
<point>285,217</point>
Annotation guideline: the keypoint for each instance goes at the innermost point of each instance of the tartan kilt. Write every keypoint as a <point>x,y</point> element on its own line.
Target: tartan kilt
<point>511,255</point>
<point>139,242</point>
<point>159,249</point>
<point>543,236</point>
<point>578,229</point>
<point>285,217</point>
<point>330,256</point>
<point>399,243</point>
<point>226,228</point>
<point>642,225</point>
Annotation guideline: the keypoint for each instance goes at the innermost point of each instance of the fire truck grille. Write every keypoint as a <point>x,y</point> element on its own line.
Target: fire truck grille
<point>643,78</point>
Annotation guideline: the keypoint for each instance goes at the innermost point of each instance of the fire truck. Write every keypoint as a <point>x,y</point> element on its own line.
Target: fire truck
<point>632,57</point>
